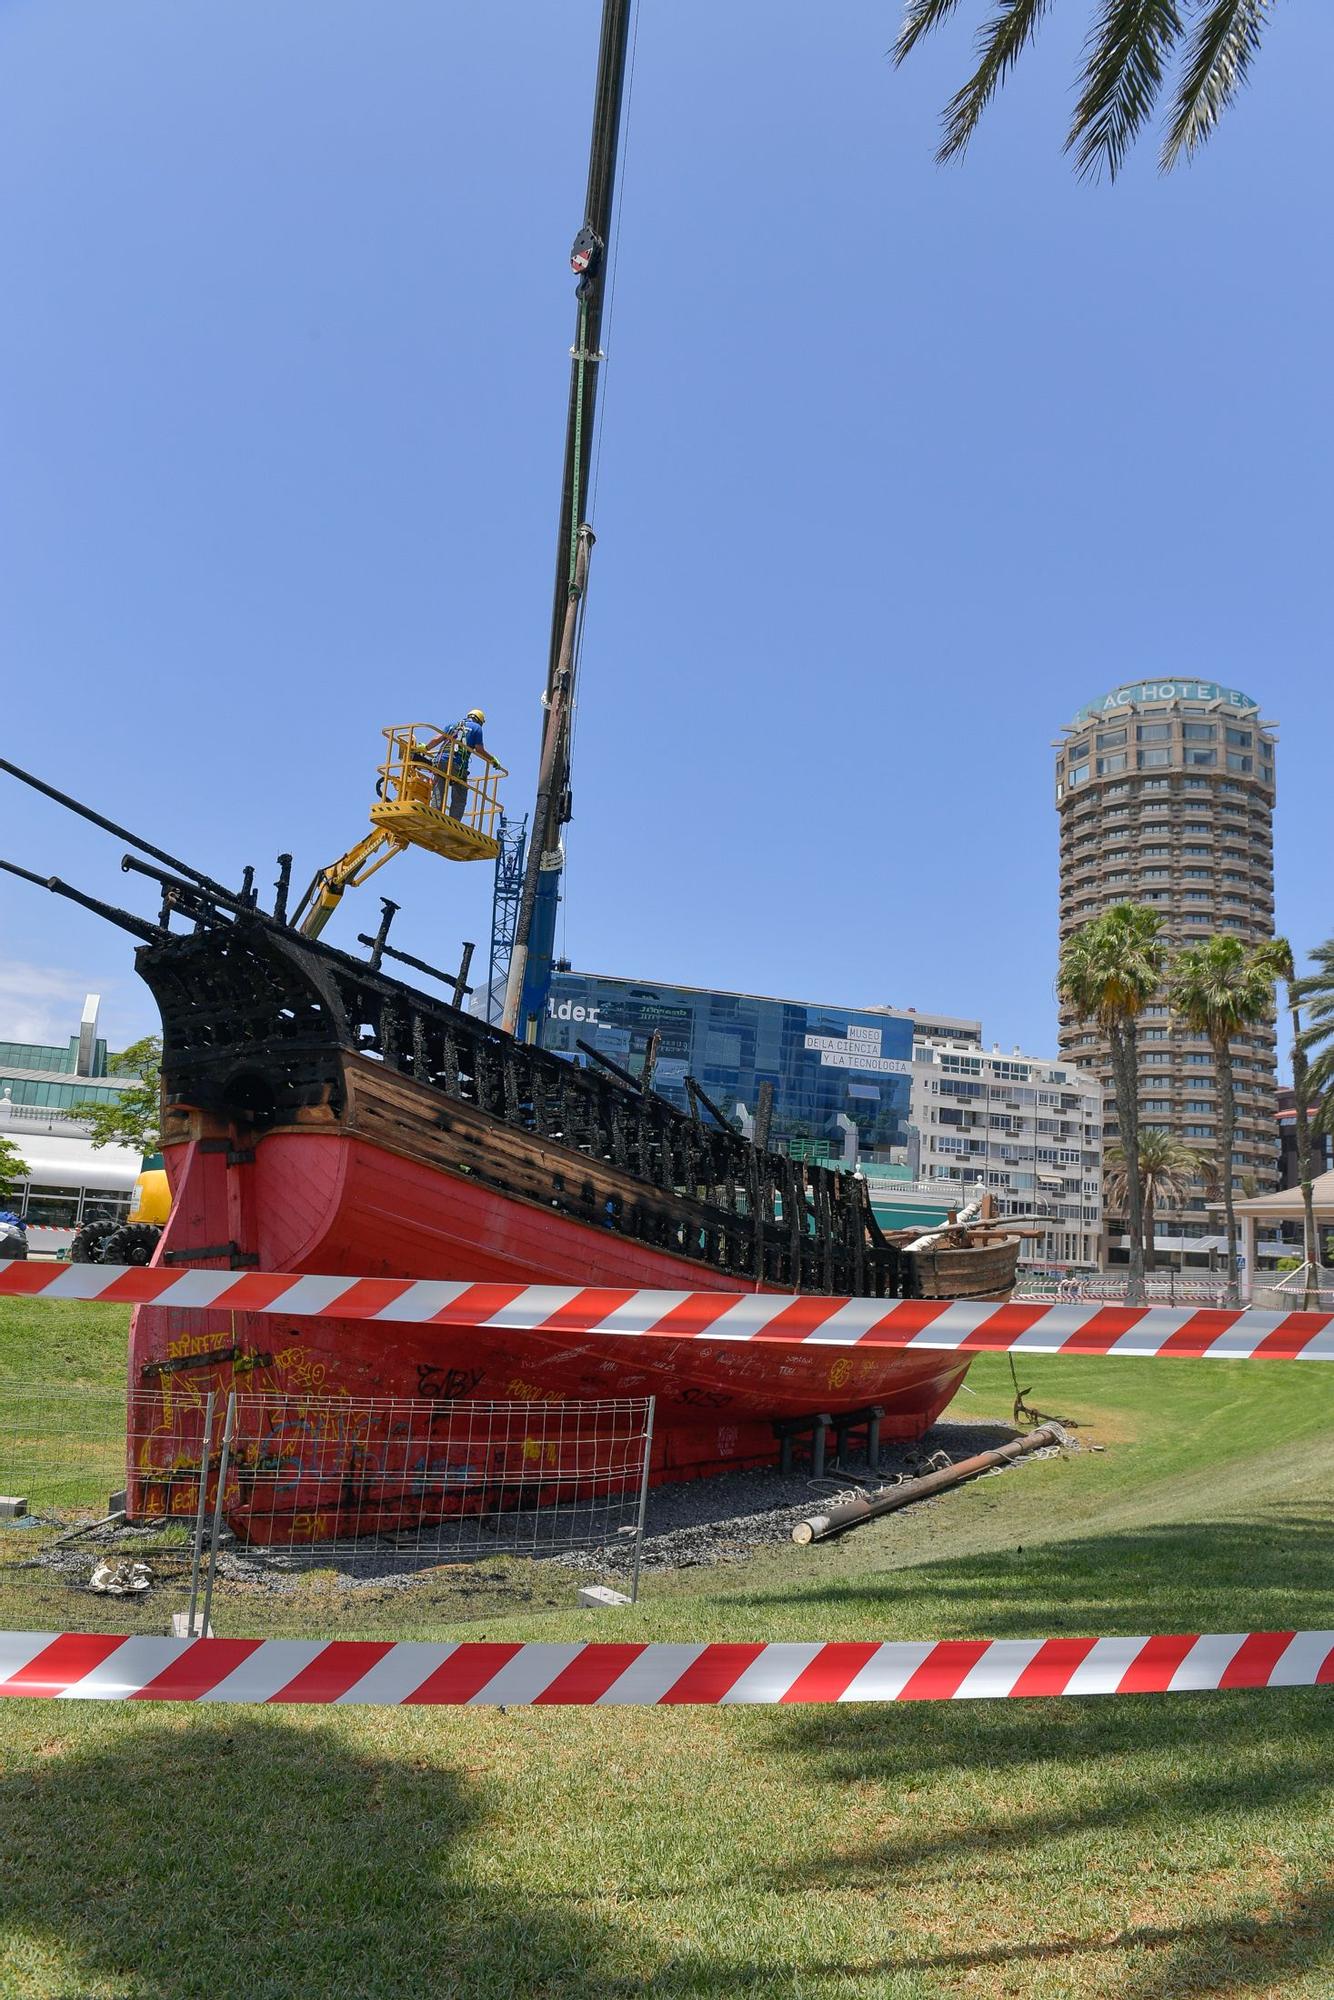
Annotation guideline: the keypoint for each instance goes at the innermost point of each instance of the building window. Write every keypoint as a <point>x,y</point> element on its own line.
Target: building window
<point>1149,759</point>
<point>1080,776</point>
<point>1154,732</point>
<point>1240,739</point>
<point>1203,759</point>
<point>1112,739</point>
<point>1107,765</point>
<point>1237,762</point>
<point>1199,732</point>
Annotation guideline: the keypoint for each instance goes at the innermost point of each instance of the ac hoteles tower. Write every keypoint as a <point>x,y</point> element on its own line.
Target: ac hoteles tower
<point>1165,791</point>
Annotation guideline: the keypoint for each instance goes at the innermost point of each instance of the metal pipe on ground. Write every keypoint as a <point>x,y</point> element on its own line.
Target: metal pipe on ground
<point>866,1506</point>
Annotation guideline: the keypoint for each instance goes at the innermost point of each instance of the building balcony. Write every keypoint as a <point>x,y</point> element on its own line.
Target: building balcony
<point>29,1121</point>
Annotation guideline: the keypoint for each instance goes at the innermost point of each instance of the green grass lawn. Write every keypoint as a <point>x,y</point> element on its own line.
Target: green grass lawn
<point>1138,1848</point>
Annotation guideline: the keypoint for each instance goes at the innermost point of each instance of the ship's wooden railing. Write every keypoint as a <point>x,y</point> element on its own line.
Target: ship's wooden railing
<point>257,1024</point>
<point>758,1215</point>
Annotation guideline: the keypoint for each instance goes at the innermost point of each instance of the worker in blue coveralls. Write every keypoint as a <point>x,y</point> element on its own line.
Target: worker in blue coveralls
<point>453,755</point>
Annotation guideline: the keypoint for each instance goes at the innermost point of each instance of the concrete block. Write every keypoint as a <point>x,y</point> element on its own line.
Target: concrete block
<point>180,1627</point>
<point>12,1506</point>
<point>597,1597</point>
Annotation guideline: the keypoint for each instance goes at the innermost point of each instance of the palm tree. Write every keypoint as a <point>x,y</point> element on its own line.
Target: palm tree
<point>1217,989</point>
<point>1280,957</point>
<point>1168,1170</point>
<point>1127,53</point>
<point>1110,969</point>
<point>1315,991</point>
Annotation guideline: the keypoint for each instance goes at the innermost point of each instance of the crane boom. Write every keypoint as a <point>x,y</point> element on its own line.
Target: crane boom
<point>534,934</point>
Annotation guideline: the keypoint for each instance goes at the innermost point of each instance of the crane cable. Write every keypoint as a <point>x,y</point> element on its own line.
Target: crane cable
<point>582,358</point>
<point>613,268</point>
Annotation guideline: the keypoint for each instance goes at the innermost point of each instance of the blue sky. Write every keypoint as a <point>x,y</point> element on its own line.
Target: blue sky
<point>900,465</point>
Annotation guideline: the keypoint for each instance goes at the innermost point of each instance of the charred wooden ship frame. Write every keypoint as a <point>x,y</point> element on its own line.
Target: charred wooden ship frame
<point>263,1028</point>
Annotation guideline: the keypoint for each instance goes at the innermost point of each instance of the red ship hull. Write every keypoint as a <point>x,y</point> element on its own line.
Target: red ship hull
<point>331,1202</point>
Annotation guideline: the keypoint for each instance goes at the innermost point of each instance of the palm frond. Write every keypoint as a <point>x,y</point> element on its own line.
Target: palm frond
<point>1219,988</point>
<point>1315,992</point>
<point>919,18</point>
<point>1320,1084</point>
<point>1000,44</point>
<point>1276,952</point>
<point>1123,75</point>
<point>1111,966</point>
<point>1218,61</point>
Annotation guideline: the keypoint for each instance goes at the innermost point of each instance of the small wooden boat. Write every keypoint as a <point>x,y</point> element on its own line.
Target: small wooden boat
<point>964,1264</point>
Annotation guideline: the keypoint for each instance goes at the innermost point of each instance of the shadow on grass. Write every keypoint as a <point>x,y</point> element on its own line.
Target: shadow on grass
<point>1226,1960</point>
<point>1136,1780</point>
<point>251,1858</point>
<point>1139,1777</point>
<point>1266,1574</point>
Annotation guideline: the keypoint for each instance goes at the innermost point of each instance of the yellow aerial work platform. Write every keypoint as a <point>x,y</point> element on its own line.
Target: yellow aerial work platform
<point>420,767</point>
<point>431,792</point>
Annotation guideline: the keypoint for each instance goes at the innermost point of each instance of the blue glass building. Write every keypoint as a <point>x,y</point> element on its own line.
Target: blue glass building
<point>841,1077</point>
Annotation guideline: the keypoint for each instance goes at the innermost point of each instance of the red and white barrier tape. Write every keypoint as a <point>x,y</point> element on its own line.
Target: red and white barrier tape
<point>84,1666</point>
<point>764,1317</point>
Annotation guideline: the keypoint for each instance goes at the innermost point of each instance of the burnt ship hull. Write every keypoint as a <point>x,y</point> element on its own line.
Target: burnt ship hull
<point>321,1118</point>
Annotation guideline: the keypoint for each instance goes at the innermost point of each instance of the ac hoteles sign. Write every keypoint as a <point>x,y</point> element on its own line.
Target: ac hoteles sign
<point>1187,690</point>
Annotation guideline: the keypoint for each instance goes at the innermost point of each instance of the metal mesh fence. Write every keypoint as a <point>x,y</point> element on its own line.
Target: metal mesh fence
<point>1311,1287</point>
<point>63,1518</point>
<point>1161,1288</point>
<point>182,1490</point>
<point>374,1482</point>
<point>62,1450</point>
<point>1278,1293</point>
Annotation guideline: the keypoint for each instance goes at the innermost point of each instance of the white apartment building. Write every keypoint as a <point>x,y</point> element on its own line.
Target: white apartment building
<point>1030,1128</point>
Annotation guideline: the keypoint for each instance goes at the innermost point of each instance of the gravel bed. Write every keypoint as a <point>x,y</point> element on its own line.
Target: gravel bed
<point>702,1523</point>
<point>725,1520</point>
